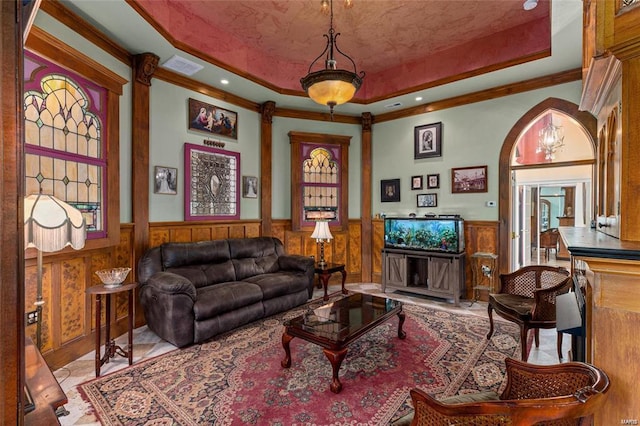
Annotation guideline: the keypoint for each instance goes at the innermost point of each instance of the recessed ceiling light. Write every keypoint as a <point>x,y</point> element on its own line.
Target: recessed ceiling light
<point>418,98</point>
<point>529,4</point>
<point>182,65</point>
<point>224,81</point>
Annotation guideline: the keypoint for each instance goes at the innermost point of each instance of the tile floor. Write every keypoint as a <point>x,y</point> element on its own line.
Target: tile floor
<point>147,345</point>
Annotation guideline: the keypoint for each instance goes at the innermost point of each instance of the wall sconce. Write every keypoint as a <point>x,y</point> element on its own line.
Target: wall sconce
<point>322,234</point>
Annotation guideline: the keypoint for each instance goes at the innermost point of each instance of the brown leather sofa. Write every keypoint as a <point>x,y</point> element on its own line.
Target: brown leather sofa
<point>191,292</point>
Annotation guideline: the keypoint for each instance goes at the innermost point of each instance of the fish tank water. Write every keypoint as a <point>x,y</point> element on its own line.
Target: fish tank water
<point>442,234</point>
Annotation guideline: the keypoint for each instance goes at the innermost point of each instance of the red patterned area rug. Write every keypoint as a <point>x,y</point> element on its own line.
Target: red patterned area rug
<point>237,379</point>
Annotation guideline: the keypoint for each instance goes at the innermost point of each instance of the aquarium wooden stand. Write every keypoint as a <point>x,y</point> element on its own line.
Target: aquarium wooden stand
<point>423,272</point>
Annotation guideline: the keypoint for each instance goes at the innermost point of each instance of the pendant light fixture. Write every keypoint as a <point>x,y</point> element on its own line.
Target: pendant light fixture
<point>550,138</point>
<point>331,86</point>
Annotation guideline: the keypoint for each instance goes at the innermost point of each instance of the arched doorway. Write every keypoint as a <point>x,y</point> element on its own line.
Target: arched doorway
<point>584,119</point>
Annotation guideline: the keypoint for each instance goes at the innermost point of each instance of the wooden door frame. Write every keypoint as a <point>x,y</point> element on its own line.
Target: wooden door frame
<point>589,125</point>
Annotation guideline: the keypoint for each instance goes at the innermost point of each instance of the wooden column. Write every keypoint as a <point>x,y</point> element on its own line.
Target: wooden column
<point>266,153</point>
<point>365,198</point>
<point>11,228</point>
<point>144,65</point>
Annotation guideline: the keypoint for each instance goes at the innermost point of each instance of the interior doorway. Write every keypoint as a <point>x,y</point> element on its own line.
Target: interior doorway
<point>543,207</point>
<point>532,182</point>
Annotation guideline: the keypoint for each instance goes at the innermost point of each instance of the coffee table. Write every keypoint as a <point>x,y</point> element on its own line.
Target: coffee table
<point>335,325</point>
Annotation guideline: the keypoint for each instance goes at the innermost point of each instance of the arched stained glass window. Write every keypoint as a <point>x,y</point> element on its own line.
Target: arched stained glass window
<point>65,154</point>
<point>320,178</point>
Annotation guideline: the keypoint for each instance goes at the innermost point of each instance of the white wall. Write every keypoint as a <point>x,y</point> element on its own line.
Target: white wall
<point>472,135</point>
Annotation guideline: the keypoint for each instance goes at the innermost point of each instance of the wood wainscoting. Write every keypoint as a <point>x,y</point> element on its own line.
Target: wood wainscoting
<point>67,320</point>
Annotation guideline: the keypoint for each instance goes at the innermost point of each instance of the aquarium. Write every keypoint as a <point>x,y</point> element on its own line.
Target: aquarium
<point>443,234</point>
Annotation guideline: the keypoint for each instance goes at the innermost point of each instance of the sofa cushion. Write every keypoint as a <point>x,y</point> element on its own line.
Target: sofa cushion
<point>224,297</point>
<point>280,283</point>
<point>207,274</point>
<point>175,255</point>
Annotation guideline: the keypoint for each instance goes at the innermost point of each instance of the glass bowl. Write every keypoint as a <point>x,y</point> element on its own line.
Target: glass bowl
<point>113,277</point>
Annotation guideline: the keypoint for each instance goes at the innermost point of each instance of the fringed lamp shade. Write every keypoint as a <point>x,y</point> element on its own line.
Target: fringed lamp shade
<point>51,225</point>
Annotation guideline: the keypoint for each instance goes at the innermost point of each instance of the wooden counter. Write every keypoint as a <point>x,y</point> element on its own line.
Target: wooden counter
<point>43,387</point>
<point>612,271</point>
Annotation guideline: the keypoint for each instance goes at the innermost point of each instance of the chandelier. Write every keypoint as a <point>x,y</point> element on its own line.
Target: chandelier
<point>550,138</point>
<point>331,86</point>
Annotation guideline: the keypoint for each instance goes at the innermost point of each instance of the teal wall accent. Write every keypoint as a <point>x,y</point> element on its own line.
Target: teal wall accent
<point>282,161</point>
<point>472,135</point>
<point>71,38</point>
<point>169,130</point>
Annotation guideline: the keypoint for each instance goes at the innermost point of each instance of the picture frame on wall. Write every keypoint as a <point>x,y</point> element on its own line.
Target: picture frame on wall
<point>390,190</point>
<point>428,141</point>
<point>165,180</point>
<point>469,179</point>
<point>427,200</point>
<point>211,119</point>
<point>433,181</point>
<point>249,187</point>
<point>416,182</point>
<point>212,183</point>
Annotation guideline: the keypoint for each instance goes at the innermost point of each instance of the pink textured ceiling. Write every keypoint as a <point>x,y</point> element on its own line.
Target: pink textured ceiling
<point>400,44</point>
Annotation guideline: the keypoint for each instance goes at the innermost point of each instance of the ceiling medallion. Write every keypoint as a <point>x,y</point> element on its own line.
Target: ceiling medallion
<point>332,86</point>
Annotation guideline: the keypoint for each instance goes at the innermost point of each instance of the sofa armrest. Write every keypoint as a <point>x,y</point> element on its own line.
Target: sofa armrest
<point>170,283</point>
<point>293,262</point>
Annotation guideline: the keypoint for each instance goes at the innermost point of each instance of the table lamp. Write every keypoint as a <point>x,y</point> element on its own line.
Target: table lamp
<point>321,233</point>
<point>50,225</point>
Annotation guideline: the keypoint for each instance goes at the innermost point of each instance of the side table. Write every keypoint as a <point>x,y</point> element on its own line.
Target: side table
<point>110,347</point>
<point>484,267</point>
<point>324,273</point>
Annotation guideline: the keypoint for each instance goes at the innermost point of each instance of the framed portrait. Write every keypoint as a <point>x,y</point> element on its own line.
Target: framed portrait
<point>427,200</point>
<point>416,182</point>
<point>165,180</point>
<point>433,181</point>
<point>212,119</point>
<point>469,179</point>
<point>211,183</point>
<point>249,187</point>
<point>428,141</point>
<point>390,190</point>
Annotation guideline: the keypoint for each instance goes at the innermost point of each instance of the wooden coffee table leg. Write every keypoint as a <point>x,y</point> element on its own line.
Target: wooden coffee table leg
<point>286,362</point>
<point>344,278</point>
<point>335,358</point>
<point>401,333</point>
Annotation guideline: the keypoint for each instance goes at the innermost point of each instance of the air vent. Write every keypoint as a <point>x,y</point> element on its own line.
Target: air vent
<point>182,65</point>
<point>394,105</point>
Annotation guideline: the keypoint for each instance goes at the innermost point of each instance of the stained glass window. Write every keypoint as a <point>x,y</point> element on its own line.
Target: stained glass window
<point>65,154</point>
<point>320,177</point>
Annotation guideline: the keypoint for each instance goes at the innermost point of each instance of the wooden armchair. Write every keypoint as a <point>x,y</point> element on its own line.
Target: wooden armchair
<point>528,298</point>
<point>549,241</point>
<point>561,394</point>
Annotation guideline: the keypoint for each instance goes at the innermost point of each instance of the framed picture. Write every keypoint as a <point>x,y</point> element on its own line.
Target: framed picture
<point>211,183</point>
<point>427,200</point>
<point>428,141</point>
<point>249,187</point>
<point>390,190</point>
<point>433,181</point>
<point>211,119</point>
<point>469,179</point>
<point>416,182</point>
<point>165,180</point>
